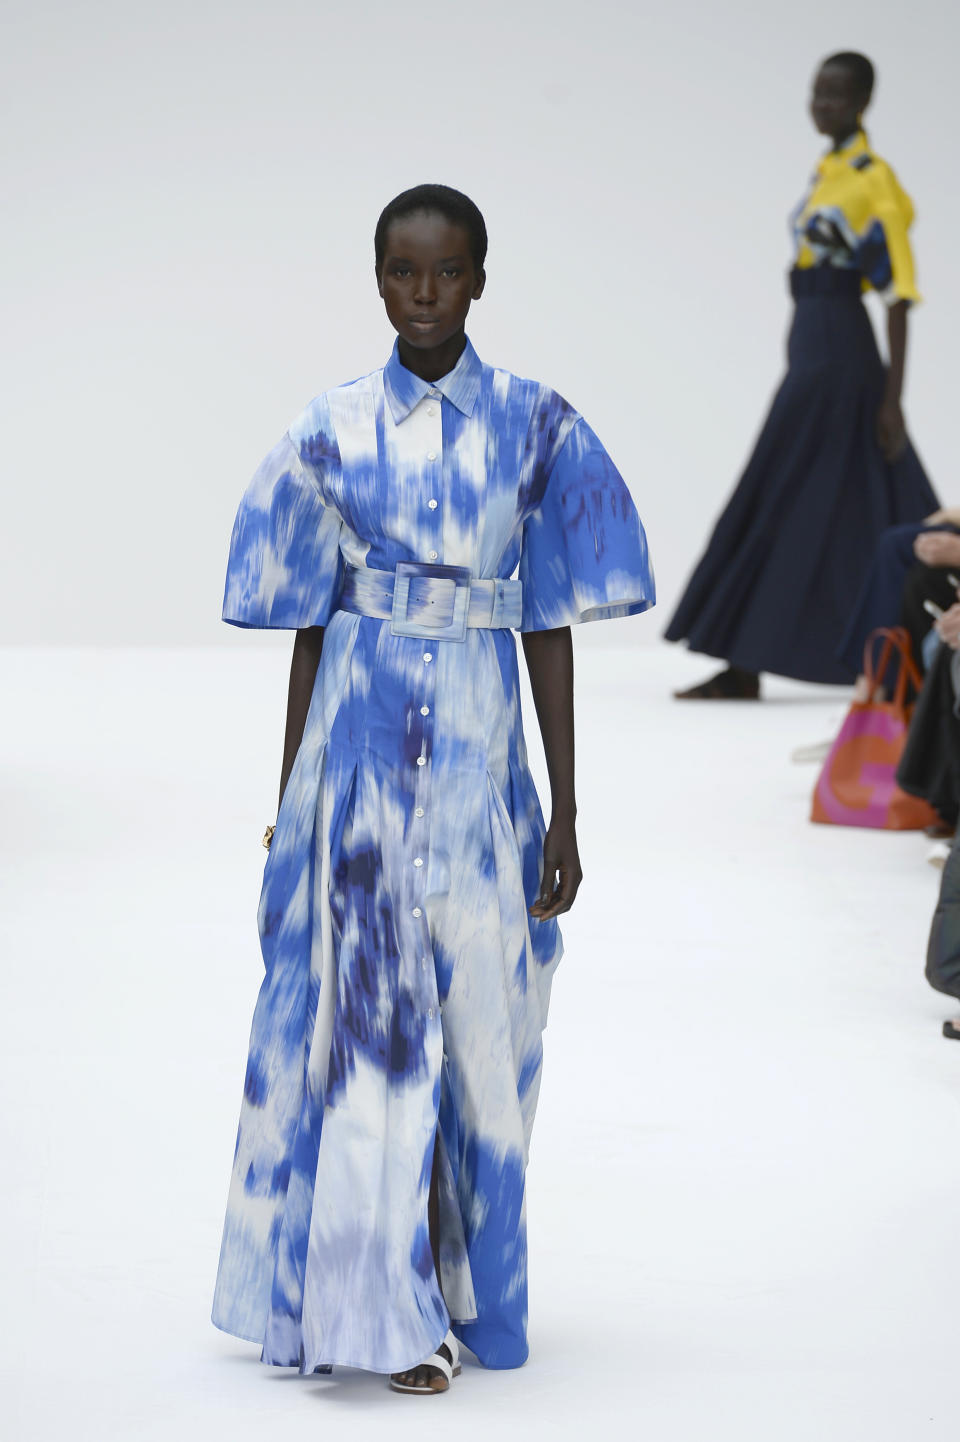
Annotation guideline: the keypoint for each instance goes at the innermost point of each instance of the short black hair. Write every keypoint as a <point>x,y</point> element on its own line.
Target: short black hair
<point>861,70</point>
<point>443,200</point>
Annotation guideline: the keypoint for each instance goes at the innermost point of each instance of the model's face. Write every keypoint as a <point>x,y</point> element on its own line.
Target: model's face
<point>835,104</point>
<point>428,279</point>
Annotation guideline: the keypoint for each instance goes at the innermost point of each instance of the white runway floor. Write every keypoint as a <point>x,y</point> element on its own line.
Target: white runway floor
<point>745,1176</point>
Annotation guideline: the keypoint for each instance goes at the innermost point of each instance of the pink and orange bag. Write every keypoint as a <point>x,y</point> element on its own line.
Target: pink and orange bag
<point>857,786</point>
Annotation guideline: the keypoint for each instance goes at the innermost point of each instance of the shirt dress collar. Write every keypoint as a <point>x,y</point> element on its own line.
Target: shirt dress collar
<point>404,390</point>
<point>855,144</point>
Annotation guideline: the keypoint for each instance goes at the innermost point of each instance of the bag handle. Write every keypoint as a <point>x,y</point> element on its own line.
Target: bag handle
<point>897,637</point>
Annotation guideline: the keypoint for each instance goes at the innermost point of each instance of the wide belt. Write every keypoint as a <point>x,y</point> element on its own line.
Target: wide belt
<point>439,602</point>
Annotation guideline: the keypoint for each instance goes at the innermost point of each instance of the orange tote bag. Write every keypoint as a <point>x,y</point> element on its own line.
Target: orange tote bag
<point>858,786</point>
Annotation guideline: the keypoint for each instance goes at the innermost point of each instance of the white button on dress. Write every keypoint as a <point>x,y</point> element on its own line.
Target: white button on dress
<point>432,504</point>
<point>431,455</point>
<point>419,811</point>
<point>428,656</point>
<point>417,911</point>
<point>432,555</point>
<point>418,861</point>
<point>424,710</point>
<point>421,760</point>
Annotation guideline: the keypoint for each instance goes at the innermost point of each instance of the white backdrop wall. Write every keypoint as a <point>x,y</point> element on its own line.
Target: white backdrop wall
<point>190,192</point>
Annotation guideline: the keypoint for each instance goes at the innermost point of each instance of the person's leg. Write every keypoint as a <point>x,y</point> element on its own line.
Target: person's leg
<point>943,946</point>
<point>930,764</point>
<point>431,1378</point>
<point>924,583</point>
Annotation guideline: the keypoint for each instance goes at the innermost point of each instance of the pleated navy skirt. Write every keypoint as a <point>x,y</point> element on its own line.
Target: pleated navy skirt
<point>777,583</point>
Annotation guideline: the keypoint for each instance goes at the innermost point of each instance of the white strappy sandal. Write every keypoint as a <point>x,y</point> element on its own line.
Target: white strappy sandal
<point>448,1369</point>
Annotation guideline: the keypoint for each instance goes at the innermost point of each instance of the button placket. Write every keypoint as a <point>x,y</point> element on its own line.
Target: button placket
<point>418,854</point>
<point>433,474</point>
<point>421,445</point>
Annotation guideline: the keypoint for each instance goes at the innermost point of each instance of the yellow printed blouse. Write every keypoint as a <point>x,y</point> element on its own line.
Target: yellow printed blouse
<point>856,217</point>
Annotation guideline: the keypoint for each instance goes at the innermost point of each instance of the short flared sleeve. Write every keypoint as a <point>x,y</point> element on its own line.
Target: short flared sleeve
<point>886,256</point>
<point>584,551</point>
<point>284,564</point>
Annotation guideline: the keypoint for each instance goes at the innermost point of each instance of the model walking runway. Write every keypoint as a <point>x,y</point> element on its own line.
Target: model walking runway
<point>833,466</point>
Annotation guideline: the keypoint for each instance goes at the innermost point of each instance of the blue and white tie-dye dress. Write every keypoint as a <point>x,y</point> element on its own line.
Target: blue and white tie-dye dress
<point>406,987</point>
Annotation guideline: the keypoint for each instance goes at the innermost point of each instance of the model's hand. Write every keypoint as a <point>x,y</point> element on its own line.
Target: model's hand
<point>937,548</point>
<point>560,855</point>
<point>948,627</point>
<point>891,431</point>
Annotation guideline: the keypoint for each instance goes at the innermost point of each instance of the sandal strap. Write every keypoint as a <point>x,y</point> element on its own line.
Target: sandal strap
<point>441,1364</point>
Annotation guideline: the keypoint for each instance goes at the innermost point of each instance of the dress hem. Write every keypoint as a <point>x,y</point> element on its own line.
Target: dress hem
<point>744,663</point>
<point>342,1361</point>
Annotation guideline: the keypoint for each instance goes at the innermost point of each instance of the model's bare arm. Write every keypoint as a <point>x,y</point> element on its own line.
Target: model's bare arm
<point>303,672</point>
<point>549,658</point>
<point>891,430</point>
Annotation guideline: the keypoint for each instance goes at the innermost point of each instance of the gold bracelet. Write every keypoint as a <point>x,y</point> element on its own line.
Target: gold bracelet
<point>268,836</point>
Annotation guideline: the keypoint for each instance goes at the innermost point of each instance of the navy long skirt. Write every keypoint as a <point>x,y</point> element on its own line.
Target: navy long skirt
<point>776,586</point>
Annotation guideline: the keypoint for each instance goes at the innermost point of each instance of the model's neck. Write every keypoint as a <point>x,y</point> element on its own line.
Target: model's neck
<point>435,362</point>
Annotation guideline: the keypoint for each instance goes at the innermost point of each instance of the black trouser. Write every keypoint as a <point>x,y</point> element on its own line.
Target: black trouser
<point>943,948</point>
<point>924,583</point>
<point>930,764</point>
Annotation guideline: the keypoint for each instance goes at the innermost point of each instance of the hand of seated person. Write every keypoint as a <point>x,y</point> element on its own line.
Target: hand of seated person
<point>946,516</point>
<point>937,548</point>
<point>948,626</point>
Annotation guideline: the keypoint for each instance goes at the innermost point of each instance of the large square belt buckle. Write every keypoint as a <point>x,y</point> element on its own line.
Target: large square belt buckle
<point>456,628</point>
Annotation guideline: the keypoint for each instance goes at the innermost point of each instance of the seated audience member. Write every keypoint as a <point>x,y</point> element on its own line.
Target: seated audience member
<point>911,565</point>
<point>943,947</point>
<point>930,764</point>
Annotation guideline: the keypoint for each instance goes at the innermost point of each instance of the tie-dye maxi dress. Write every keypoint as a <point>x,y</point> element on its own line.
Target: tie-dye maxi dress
<point>406,988</point>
